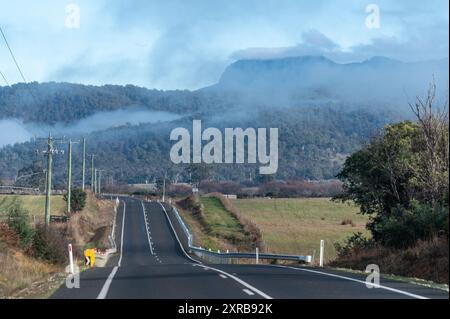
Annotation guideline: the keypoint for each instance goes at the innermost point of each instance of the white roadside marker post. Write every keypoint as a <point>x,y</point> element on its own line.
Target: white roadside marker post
<point>322,244</point>
<point>257,255</point>
<point>71,259</point>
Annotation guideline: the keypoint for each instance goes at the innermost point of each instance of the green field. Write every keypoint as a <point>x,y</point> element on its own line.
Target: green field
<point>34,204</point>
<point>296,225</point>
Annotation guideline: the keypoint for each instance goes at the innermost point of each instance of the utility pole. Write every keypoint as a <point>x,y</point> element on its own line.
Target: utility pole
<point>48,185</point>
<point>69,176</point>
<point>164,186</point>
<point>92,173</point>
<point>48,189</point>
<point>83,181</point>
<point>95,181</point>
<point>99,180</point>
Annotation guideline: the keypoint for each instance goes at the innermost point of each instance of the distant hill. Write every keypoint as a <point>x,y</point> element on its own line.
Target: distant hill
<point>389,83</point>
<point>324,111</point>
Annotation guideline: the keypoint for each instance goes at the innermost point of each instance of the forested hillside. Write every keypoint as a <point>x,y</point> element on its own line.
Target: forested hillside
<point>321,120</point>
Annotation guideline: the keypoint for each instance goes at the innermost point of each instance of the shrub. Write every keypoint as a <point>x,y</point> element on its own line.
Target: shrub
<point>9,236</point>
<point>19,222</point>
<point>77,200</point>
<point>405,226</point>
<point>353,244</point>
<point>49,244</point>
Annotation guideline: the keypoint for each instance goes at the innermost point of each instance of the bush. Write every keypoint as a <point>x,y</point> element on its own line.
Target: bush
<point>77,200</point>
<point>404,227</point>
<point>352,245</point>
<point>49,244</point>
<point>19,222</point>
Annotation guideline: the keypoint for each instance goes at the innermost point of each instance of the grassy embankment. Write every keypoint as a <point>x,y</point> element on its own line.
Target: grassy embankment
<point>288,225</point>
<point>213,227</point>
<point>23,275</point>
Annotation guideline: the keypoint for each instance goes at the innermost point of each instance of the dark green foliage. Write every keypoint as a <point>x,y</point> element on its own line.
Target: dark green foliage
<point>19,222</point>
<point>77,200</point>
<point>49,244</point>
<point>384,179</point>
<point>405,226</point>
<point>352,244</point>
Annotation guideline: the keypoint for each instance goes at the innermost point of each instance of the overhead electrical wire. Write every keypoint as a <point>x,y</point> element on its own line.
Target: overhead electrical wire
<point>12,55</point>
<point>4,78</point>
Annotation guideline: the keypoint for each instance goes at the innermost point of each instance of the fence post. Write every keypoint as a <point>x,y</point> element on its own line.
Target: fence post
<point>322,244</point>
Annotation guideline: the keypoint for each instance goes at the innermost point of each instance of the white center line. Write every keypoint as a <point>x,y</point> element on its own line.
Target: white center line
<point>146,227</point>
<point>223,276</point>
<point>248,292</point>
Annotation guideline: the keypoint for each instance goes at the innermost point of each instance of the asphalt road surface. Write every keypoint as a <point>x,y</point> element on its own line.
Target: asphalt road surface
<point>152,264</point>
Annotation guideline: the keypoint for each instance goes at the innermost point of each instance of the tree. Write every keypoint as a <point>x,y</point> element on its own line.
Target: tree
<point>401,178</point>
<point>77,200</point>
<point>199,173</point>
<point>432,173</point>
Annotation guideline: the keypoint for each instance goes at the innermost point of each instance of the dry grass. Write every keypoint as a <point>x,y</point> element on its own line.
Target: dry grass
<point>24,276</point>
<point>426,260</point>
<point>296,225</point>
<point>18,271</point>
<point>92,225</point>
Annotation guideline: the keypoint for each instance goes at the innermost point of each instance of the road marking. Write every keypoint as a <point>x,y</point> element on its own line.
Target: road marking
<point>223,276</point>
<point>243,283</point>
<point>248,292</point>
<point>146,227</point>
<point>176,236</point>
<point>198,263</point>
<point>121,235</point>
<point>104,292</point>
<point>355,280</point>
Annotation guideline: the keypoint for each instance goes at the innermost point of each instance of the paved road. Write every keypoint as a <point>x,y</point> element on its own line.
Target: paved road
<point>152,264</point>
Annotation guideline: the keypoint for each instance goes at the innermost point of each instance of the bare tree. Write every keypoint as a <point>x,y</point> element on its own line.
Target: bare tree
<point>434,126</point>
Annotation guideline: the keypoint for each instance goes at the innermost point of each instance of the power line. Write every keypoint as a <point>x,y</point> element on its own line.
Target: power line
<point>12,55</point>
<point>4,79</point>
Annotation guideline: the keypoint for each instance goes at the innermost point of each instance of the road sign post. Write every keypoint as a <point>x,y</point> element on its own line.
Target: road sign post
<point>72,271</point>
<point>257,255</point>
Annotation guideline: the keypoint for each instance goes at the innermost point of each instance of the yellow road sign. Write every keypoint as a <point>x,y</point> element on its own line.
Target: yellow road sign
<point>89,257</point>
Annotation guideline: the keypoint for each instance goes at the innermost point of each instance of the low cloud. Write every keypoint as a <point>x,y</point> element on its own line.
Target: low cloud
<point>15,131</point>
<point>416,48</point>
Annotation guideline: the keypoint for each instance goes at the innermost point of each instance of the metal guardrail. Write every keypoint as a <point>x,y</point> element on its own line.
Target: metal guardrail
<point>220,257</point>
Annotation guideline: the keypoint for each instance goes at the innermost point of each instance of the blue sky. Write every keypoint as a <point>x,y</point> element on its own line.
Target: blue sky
<point>186,44</point>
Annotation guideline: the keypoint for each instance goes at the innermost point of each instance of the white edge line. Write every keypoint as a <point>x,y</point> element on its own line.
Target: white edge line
<point>146,227</point>
<point>107,284</point>
<point>197,263</point>
<point>176,236</point>
<point>355,280</point>
<point>104,291</point>
<point>255,290</point>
